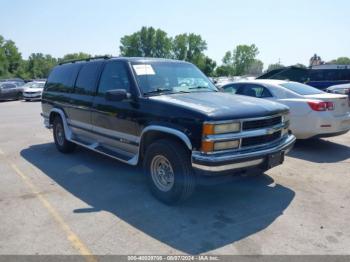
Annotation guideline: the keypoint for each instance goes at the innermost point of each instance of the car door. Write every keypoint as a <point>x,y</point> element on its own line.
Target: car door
<point>82,97</point>
<point>113,121</point>
<point>9,91</point>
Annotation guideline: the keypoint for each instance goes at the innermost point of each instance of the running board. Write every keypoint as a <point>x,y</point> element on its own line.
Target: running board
<point>120,155</point>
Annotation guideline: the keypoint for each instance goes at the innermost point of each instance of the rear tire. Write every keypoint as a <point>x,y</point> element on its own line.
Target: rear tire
<point>167,165</point>
<point>61,142</point>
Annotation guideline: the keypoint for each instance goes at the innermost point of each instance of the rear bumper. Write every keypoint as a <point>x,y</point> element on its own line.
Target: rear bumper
<point>218,164</point>
<point>320,125</point>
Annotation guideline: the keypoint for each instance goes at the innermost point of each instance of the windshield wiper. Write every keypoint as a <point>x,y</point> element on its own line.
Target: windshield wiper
<point>200,87</point>
<point>162,90</point>
<point>158,90</point>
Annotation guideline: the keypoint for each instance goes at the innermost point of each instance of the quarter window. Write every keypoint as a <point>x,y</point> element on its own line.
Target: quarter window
<point>62,78</point>
<point>114,76</point>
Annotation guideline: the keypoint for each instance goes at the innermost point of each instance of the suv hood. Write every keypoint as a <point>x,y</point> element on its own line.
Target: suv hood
<point>223,106</point>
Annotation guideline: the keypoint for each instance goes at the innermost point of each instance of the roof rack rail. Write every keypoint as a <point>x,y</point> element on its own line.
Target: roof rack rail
<point>85,59</point>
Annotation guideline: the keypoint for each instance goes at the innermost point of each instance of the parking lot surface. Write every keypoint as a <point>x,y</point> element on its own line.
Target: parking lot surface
<point>85,203</point>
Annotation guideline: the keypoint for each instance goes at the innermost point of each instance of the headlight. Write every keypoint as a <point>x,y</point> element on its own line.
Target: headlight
<point>213,129</point>
<point>226,145</point>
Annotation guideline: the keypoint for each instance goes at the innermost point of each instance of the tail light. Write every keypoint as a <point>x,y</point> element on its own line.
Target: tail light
<point>321,106</point>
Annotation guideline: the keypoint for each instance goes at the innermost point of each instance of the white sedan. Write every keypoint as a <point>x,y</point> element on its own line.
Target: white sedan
<point>339,89</point>
<point>33,90</point>
<point>313,113</point>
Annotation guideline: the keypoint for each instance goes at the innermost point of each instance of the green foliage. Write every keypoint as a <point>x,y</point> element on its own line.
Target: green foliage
<point>10,58</point>
<point>39,65</point>
<point>240,61</point>
<point>255,68</point>
<point>148,42</point>
<point>223,70</point>
<point>274,66</point>
<point>341,61</point>
<point>300,65</point>
<point>191,47</point>
<point>74,56</point>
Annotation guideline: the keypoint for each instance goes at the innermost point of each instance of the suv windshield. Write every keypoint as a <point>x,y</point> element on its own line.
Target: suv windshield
<point>301,89</point>
<point>171,77</point>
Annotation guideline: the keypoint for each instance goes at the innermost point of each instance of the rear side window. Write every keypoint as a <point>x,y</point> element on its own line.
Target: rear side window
<point>62,78</point>
<point>87,78</point>
<point>301,89</point>
<point>114,76</point>
<point>255,91</point>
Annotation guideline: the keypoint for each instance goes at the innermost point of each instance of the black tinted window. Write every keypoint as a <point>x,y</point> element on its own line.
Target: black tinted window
<point>87,78</point>
<point>254,91</point>
<point>114,76</point>
<point>62,77</point>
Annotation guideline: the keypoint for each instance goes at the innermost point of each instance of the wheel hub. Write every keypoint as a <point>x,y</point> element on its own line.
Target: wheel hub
<point>162,173</point>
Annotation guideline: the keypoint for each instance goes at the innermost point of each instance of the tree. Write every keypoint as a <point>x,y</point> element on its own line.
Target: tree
<point>223,70</point>
<point>3,59</point>
<point>14,58</point>
<point>274,66</point>
<point>341,61</point>
<point>239,61</point>
<point>10,58</point>
<point>148,42</point>
<point>74,56</point>
<point>207,65</point>
<point>39,65</point>
<point>189,47</point>
<point>255,68</point>
<point>300,65</point>
<point>243,56</point>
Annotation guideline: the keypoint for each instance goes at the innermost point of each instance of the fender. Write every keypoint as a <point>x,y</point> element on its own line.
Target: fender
<point>168,130</point>
<point>67,131</point>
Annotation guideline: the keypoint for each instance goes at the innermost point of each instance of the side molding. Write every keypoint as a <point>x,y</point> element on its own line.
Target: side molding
<point>168,130</point>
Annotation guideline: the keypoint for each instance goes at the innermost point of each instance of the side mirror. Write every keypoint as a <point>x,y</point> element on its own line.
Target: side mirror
<point>117,95</point>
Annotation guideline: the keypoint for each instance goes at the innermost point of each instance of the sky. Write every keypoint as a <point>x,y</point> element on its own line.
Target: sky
<point>287,31</point>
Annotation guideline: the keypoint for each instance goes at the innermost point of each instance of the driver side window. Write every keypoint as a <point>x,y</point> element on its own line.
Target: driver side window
<point>114,76</point>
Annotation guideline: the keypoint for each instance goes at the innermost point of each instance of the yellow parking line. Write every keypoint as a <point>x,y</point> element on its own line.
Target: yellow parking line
<point>71,236</point>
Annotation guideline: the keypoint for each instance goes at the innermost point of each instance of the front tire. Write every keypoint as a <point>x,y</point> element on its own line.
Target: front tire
<point>167,164</point>
<point>61,142</point>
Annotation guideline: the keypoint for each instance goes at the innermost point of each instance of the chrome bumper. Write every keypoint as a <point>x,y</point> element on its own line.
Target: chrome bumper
<point>240,160</point>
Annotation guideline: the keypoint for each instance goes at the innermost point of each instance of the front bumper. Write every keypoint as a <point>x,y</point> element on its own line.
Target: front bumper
<point>233,161</point>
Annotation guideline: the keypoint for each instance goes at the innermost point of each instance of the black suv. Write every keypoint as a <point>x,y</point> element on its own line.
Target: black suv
<point>166,115</point>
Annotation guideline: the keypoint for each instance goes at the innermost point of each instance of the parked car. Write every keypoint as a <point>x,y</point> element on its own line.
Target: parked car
<point>340,89</point>
<point>166,115</point>
<point>9,90</point>
<point>33,91</point>
<point>313,113</point>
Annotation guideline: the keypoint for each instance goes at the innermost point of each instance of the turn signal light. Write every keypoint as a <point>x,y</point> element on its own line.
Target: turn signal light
<point>207,146</point>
